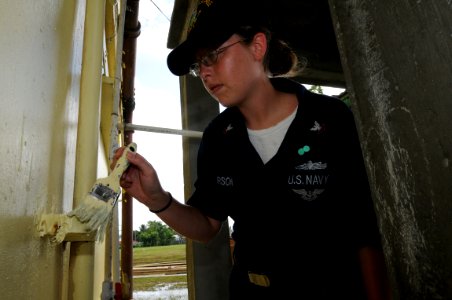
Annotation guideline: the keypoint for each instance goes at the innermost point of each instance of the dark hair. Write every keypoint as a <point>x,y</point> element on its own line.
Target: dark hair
<point>280,59</point>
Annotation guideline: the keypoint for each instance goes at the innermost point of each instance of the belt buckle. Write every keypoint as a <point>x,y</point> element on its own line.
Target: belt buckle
<point>259,279</point>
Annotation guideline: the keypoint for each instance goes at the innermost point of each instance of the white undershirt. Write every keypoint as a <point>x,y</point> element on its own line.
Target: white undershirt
<point>267,141</point>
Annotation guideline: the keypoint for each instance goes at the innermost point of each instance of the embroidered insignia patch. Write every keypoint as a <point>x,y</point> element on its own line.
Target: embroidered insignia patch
<point>309,195</point>
<point>228,128</point>
<point>312,166</point>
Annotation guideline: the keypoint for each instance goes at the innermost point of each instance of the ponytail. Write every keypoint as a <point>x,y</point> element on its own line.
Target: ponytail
<point>280,59</point>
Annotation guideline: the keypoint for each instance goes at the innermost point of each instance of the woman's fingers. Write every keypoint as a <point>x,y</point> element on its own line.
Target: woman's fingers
<point>116,156</point>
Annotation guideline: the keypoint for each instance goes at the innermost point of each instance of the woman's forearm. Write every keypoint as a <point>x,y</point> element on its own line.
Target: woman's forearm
<point>189,221</point>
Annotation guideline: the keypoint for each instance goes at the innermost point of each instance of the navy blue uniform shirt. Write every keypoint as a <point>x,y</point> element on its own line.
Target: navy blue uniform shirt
<point>307,210</point>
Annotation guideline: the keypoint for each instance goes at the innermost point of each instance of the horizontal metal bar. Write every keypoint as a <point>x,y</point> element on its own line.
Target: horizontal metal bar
<point>183,132</point>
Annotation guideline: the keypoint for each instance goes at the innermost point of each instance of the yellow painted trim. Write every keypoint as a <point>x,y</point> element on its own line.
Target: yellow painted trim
<point>81,268</point>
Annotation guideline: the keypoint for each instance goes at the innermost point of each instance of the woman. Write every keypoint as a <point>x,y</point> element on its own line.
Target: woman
<point>285,164</point>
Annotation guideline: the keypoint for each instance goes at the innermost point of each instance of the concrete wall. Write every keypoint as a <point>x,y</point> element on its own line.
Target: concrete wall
<point>41,51</point>
<point>397,58</point>
<point>209,265</point>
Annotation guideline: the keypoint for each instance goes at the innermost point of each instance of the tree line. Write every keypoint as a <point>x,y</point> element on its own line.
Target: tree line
<point>155,233</point>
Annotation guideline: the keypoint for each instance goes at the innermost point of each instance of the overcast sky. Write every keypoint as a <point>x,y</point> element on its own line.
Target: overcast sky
<point>157,103</point>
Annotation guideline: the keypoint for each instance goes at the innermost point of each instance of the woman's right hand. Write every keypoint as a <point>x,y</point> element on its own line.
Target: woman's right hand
<point>140,180</point>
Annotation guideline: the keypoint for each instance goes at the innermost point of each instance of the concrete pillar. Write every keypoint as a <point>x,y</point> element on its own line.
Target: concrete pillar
<point>397,59</point>
<point>208,265</point>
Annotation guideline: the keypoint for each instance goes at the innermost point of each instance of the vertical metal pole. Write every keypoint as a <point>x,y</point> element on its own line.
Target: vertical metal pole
<point>131,33</point>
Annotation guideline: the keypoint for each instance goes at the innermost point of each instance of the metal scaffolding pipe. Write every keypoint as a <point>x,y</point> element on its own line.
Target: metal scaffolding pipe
<point>182,132</point>
<point>131,33</point>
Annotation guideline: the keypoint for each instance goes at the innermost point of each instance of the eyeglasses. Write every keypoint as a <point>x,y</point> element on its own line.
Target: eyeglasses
<point>209,59</point>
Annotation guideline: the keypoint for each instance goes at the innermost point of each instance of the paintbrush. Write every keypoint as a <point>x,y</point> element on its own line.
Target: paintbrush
<point>97,207</point>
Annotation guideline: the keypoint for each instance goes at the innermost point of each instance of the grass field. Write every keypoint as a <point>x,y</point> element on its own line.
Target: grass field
<point>147,255</point>
<point>159,254</point>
